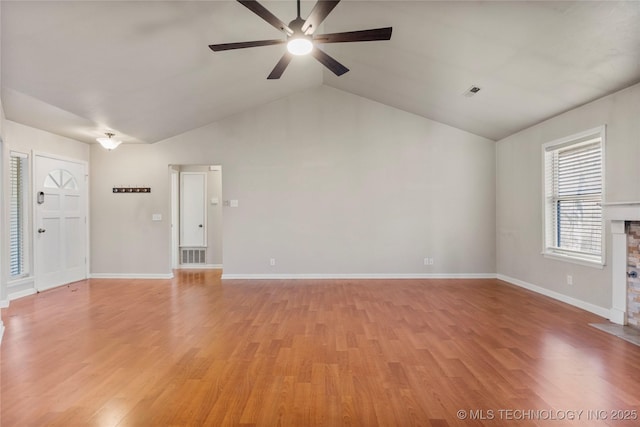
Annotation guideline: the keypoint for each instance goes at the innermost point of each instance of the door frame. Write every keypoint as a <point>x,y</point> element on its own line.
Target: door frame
<point>176,168</point>
<point>34,206</point>
<point>175,216</point>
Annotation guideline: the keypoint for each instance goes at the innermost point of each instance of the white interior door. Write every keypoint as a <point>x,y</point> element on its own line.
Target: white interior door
<point>193,209</point>
<point>61,230</point>
<point>175,217</point>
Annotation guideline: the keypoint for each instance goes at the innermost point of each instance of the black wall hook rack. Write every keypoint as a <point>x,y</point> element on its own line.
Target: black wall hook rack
<point>131,189</point>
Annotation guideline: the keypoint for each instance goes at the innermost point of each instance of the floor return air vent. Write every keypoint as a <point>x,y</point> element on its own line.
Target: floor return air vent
<point>193,256</point>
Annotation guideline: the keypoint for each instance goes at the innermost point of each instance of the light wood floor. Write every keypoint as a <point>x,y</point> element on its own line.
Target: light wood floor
<point>195,351</point>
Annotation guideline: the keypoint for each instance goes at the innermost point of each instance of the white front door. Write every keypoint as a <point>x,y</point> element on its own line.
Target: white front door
<point>60,226</point>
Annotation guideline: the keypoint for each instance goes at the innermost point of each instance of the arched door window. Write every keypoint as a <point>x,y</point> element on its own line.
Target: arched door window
<point>61,179</point>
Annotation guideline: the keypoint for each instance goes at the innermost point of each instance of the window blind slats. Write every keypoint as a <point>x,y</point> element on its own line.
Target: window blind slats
<point>16,216</point>
<point>573,189</point>
<point>17,172</point>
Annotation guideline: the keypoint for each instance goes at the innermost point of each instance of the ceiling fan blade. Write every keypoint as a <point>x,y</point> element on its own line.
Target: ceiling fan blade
<point>355,36</point>
<point>337,68</point>
<point>243,45</point>
<point>280,66</point>
<point>318,14</point>
<point>263,13</point>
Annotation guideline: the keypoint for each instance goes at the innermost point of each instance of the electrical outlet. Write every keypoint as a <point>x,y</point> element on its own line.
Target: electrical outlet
<point>272,262</point>
<point>569,279</point>
<point>428,261</point>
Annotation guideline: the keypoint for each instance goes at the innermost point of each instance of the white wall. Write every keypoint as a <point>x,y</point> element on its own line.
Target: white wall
<point>29,140</point>
<point>124,239</point>
<point>25,139</point>
<point>327,183</point>
<point>519,196</point>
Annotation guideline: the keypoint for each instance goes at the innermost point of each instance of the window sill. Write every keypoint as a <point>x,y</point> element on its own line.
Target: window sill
<point>574,259</point>
<point>19,280</point>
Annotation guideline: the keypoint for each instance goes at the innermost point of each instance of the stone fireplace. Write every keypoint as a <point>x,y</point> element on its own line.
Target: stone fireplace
<point>624,220</point>
<point>633,273</point>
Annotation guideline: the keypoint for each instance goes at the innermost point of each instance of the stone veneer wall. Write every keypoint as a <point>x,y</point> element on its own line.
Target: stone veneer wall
<point>633,263</point>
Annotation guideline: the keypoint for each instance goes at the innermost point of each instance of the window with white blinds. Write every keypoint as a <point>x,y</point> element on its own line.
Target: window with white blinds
<point>17,214</point>
<point>574,187</point>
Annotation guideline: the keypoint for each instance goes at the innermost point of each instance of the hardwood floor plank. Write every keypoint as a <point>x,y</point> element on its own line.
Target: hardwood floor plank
<point>199,351</point>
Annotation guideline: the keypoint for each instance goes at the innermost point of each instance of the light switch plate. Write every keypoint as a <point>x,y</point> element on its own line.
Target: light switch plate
<point>233,203</point>
<point>156,217</point>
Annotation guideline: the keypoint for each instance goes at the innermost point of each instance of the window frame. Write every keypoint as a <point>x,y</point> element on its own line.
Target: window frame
<point>24,212</point>
<point>568,255</point>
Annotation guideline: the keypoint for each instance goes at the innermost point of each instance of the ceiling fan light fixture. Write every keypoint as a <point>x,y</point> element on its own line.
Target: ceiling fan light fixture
<point>299,46</point>
<point>107,142</point>
<point>301,38</point>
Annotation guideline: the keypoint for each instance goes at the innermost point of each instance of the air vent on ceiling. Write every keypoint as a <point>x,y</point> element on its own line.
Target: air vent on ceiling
<point>471,91</point>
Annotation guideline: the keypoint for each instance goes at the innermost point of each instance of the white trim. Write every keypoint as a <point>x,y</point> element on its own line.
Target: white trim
<point>358,276</point>
<point>18,281</point>
<point>174,176</point>
<point>621,203</point>
<point>618,316</point>
<point>600,311</point>
<point>599,132</point>
<point>199,267</point>
<point>622,211</point>
<point>18,154</point>
<point>4,303</point>
<point>563,256</point>
<point>129,276</point>
<point>576,138</point>
<point>2,167</point>
<point>619,285</point>
<point>28,214</point>
<point>22,293</point>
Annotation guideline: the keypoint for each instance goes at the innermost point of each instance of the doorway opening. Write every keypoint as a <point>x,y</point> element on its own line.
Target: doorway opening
<point>196,216</point>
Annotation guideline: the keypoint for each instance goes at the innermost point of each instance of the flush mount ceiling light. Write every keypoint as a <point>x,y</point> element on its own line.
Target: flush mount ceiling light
<point>107,142</point>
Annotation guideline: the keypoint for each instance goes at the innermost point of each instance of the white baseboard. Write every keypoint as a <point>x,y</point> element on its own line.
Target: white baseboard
<point>199,267</point>
<point>600,311</point>
<point>23,293</point>
<point>4,303</point>
<point>279,276</point>
<point>129,276</point>
<point>1,331</point>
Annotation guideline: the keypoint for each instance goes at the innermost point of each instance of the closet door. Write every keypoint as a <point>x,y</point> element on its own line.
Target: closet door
<point>193,209</point>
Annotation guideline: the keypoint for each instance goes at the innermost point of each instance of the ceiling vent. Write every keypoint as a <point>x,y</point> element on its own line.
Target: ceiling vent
<point>471,91</point>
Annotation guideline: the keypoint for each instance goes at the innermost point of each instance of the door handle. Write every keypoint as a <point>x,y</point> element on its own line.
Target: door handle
<point>200,225</point>
<point>41,230</point>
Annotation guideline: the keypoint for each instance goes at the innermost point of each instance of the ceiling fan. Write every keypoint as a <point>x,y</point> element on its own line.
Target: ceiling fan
<point>300,38</point>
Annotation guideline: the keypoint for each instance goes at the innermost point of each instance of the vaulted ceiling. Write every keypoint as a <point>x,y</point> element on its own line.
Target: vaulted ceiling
<point>144,70</point>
